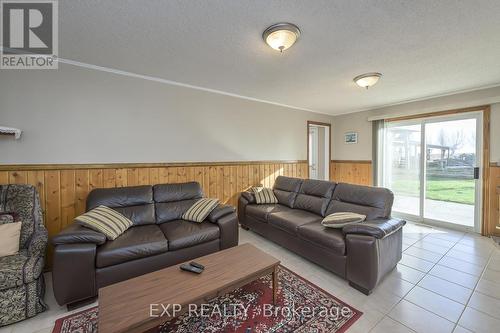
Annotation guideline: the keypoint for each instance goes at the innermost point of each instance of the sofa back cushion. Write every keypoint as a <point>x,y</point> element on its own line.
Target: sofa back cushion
<point>314,196</point>
<point>135,202</point>
<point>173,200</point>
<point>177,192</point>
<point>285,189</point>
<point>374,202</point>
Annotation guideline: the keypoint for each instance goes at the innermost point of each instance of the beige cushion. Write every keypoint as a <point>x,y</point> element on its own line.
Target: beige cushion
<point>264,195</point>
<point>105,220</point>
<point>9,238</point>
<point>199,211</point>
<point>341,219</point>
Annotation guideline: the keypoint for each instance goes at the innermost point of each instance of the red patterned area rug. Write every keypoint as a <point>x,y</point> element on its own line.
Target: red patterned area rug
<point>301,307</point>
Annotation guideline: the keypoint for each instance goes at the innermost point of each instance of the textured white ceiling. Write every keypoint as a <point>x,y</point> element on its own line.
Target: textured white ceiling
<point>424,48</point>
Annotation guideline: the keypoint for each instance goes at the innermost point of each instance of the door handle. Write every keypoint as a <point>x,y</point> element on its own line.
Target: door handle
<point>476,173</point>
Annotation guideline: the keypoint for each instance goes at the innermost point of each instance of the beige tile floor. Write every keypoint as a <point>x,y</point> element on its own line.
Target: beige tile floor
<point>447,281</point>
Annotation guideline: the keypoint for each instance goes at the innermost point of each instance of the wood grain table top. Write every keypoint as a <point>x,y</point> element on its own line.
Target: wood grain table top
<point>125,306</point>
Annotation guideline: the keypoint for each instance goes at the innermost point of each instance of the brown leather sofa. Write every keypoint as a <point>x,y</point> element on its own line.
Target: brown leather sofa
<point>362,253</point>
<point>85,261</point>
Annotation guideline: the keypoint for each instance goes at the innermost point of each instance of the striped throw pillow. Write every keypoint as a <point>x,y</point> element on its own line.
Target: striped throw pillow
<point>341,219</point>
<point>264,195</point>
<point>199,211</point>
<point>105,220</point>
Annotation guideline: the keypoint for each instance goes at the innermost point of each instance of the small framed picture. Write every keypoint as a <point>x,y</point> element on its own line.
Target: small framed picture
<point>351,137</point>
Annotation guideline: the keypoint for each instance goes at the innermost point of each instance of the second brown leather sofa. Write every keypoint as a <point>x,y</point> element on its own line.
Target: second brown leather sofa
<point>362,253</point>
<point>85,261</point>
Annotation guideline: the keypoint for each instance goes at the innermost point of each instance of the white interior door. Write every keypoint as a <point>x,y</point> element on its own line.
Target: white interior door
<point>313,152</point>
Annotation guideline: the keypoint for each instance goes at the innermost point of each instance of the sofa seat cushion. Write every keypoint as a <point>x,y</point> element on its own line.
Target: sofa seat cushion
<point>182,234</point>
<point>329,238</point>
<point>135,243</point>
<point>261,212</point>
<point>289,220</point>
<point>19,269</point>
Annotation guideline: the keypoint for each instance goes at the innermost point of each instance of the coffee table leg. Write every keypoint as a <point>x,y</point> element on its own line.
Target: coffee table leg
<point>275,286</point>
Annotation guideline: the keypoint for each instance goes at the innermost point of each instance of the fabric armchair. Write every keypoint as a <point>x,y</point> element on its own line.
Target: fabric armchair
<point>38,243</point>
<point>22,285</point>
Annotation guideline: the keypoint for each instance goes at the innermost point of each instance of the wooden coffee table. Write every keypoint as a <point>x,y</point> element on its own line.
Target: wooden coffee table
<point>125,306</point>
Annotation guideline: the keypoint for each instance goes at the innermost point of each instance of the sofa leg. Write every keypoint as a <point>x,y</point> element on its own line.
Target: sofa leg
<point>79,304</point>
<point>244,227</point>
<point>359,288</point>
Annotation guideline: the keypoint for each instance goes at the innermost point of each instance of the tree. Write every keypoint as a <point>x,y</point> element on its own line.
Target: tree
<point>454,140</point>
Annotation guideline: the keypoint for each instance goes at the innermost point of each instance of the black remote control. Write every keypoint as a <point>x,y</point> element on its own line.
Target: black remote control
<point>192,269</point>
<point>195,264</point>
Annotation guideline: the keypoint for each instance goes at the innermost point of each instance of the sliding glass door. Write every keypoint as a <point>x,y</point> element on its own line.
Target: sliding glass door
<point>451,162</point>
<point>402,166</point>
<point>433,167</point>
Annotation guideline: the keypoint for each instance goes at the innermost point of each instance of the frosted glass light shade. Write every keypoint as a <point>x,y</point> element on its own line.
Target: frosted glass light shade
<point>281,36</point>
<point>367,80</point>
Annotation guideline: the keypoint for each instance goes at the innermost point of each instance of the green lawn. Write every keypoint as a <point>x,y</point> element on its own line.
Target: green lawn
<point>443,189</point>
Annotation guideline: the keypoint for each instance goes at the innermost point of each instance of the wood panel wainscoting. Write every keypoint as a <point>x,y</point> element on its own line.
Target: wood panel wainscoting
<point>63,188</point>
<point>354,172</point>
<point>493,225</point>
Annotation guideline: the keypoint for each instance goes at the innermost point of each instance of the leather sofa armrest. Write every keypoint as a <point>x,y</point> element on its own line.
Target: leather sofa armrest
<point>76,234</point>
<point>73,272</point>
<point>378,228</point>
<point>370,259</point>
<point>219,212</point>
<point>249,197</point>
<point>229,231</point>
<point>242,205</point>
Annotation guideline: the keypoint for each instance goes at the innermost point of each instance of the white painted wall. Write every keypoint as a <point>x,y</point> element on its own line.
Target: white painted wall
<point>78,115</point>
<point>353,122</point>
<point>495,134</point>
<point>359,122</point>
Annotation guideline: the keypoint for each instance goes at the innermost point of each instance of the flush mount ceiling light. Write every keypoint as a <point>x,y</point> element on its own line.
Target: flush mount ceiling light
<point>281,36</point>
<point>367,80</point>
